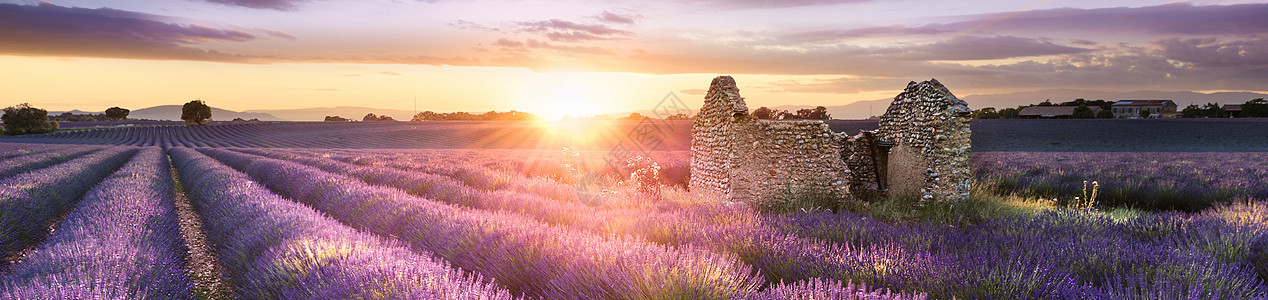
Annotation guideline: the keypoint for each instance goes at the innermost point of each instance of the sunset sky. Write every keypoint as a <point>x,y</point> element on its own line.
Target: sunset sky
<point>585,57</point>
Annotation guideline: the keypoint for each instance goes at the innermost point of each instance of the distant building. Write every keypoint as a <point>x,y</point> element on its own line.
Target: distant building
<point>1130,109</point>
<point>1233,110</point>
<point>1052,112</point>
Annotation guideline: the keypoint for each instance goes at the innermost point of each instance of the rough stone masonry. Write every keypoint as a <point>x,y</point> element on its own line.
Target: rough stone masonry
<point>920,149</point>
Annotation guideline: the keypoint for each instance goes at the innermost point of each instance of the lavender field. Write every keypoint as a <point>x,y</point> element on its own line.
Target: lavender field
<point>301,211</point>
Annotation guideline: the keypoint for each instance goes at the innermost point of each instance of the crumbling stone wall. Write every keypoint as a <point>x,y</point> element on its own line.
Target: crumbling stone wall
<point>739,158</point>
<point>929,128</point>
<point>866,163</point>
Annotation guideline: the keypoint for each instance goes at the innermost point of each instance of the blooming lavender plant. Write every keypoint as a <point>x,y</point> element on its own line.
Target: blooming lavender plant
<point>273,248</point>
<point>121,241</point>
<point>525,255</point>
<point>30,202</point>
<point>1156,181</point>
<point>23,163</point>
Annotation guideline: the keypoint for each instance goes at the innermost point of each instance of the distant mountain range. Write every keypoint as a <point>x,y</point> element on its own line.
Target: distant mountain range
<point>173,113</point>
<point>864,109</point>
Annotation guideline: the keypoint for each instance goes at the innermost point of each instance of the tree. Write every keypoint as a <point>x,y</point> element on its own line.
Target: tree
<point>24,119</point>
<point>117,113</point>
<point>1083,112</point>
<point>784,115</point>
<point>817,113</point>
<point>986,113</point>
<point>1046,102</point>
<point>1214,110</point>
<point>1192,111</point>
<point>336,119</point>
<point>196,112</point>
<point>1105,113</point>
<point>1009,113</point>
<point>820,113</point>
<point>386,118</point>
<point>764,113</point>
<point>1144,113</point>
<point>1257,108</point>
<point>370,117</point>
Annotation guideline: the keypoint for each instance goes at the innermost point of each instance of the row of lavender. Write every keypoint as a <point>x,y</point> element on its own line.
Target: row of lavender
<point>935,258</point>
<point>274,248</point>
<point>542,261</point>
<point>1152,181</point>
<point>282,250</point>
<point>406,135</point>
<point>30,202</point>
<point>523,254</point>
<point>777,255</point>
<point>120,241</point>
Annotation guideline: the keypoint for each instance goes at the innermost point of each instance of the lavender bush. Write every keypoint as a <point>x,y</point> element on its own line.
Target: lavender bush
<point>273,248</point>
<point>1152,181</point>
<point>525,255</point>
<point>30,202</point>
<point>23,163</point>
<point>122,241</point>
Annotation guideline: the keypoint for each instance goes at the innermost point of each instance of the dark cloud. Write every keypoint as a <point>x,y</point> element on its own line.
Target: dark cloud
<point>50,30</point>
<point>1170,19</point>
<point>262,4</point>
<point>978,48</point>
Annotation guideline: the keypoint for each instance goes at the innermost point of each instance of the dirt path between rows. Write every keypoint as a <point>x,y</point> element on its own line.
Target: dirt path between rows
<point>204,267</point>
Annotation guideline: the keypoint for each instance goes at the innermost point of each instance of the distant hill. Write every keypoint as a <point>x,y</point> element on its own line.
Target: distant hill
<point>173,113</point>
<point>347,112</point>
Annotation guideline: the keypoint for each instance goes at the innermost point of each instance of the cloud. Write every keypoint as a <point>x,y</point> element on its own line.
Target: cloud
<point>746,4</point>
<point>262,4</point>
<point>980,48</point>
<point>846,34</point>
<point>1169,19</point>
<point>568,31</point>
<point>610,17</point>
<point>1210,52</point>
<point>390,73</point>
<point>50,30</point>
<point>464,24</point>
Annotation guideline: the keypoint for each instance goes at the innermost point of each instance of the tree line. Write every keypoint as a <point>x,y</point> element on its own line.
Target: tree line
<point>1256,108</point>
<point>817,113</point>
<point>26,119</point>
<point>1083,110</point>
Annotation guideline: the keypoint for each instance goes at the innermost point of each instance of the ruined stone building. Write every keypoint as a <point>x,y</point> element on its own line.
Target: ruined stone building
<point>920,149</point>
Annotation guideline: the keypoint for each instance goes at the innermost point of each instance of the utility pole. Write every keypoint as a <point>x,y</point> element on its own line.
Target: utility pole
<point>415,107</point>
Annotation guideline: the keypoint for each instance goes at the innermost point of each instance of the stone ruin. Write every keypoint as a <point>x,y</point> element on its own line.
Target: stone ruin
<point>921,149</point>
